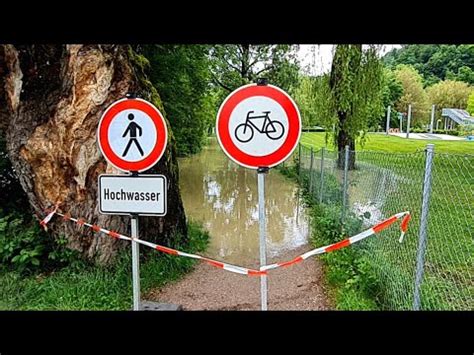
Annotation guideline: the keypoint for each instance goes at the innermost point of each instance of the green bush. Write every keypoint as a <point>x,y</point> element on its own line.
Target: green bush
<point>446,131</point>
<point>84,286</point>
<point>25,247</point>
<point>21,246</point>
<point>419,130</point>
<point>348,270</point>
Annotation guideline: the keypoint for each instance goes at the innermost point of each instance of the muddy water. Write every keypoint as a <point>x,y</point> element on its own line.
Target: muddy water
<point>223,197</point>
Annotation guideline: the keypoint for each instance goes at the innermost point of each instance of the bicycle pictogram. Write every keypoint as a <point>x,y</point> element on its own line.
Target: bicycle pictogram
<point>274,129</point>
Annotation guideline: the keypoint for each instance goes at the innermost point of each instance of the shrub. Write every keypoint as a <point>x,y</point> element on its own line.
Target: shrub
<point>25,247</point>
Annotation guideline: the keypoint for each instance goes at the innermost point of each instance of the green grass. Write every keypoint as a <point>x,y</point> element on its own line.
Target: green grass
<point>87,287</point>
<point>383,143</point>
<point>449,257</point>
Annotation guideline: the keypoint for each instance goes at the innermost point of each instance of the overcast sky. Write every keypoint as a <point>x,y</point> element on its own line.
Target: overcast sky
<point>323,57</point>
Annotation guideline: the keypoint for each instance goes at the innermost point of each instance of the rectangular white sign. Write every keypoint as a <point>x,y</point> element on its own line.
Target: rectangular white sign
<point>126,194</point>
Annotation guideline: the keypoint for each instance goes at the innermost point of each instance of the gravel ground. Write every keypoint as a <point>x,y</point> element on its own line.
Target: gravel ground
<point>298,287</point>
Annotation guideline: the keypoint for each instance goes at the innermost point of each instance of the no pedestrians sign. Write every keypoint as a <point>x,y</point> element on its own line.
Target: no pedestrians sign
<point>132,135</point>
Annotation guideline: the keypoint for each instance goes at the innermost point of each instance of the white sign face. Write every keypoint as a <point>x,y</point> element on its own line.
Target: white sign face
<point>132,134</point>
<point>132,139</point>
<point>259,125</point>
<point>126,194</point>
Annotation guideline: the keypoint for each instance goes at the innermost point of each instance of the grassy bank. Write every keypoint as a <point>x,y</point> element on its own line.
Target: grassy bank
<point>80,286</point>
<point>447,283</point>
<point>383,143</point>
<point>352,282</point>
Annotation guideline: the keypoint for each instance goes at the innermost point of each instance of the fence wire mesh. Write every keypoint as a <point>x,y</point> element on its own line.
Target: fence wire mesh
<point>380,184</point>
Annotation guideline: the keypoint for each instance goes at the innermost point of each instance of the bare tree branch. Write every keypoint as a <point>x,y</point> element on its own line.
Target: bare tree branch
<point>218,82</point>
<point>264,69</point>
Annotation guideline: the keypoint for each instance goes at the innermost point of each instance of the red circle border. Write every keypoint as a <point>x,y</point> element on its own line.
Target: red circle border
<point>161,134</point>
<point>294,123</point>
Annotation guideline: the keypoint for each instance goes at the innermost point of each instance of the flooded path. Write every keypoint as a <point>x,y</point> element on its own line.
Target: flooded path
<point>223,197</point>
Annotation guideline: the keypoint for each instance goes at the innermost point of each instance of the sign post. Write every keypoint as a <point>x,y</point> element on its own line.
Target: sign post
<point>258,127</point>
<point>262,237</point>
<point>408,121</point>
<point>135,263</point>
<point>132,136</point>
<point>433,107</point>
<point>387,127</point>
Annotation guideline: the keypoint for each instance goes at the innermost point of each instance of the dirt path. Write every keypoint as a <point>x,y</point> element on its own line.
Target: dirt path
<point>298,287</point>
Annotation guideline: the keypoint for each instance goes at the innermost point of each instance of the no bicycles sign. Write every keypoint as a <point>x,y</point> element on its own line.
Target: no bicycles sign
<point>258,126</point>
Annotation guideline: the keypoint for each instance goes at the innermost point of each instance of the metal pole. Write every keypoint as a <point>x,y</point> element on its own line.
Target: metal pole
<point>388,120</point>
<point>408,121</point>
<point>311,173</point>
<point>432,118</point>
<point>344,191</point>
<point>322,176</point>
<point>135,265</point>
<point>401,126</point>
<point>420,256</point>
<point>299,167</point>
<point>261,219</point>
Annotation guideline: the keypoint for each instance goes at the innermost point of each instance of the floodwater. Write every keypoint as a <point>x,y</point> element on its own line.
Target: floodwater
<point>223,197</point>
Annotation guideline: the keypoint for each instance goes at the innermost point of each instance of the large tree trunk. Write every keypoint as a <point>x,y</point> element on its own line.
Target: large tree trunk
<point>340,67</point>
<point>54,96</point>
<point>342,140</point>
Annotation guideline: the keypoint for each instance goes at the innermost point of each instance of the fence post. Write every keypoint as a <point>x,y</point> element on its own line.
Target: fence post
<point>387,126</point>
<point>322,176</point>
<point>344,189</point>
<point>299,163</point>
<point>311,173</point>
<point>408,121</point>
<point>420,255</point>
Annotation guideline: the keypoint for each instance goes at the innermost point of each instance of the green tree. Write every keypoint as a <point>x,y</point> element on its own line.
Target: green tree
<point>449,94</point>
<point>355,84</point>
<point>312,97</point>
<point>413,93</point>
<point>234,65</point>
<point>436,62</point>
<point>392,90</point>
<point>304,96</point>
<point>470,104</point>
<point>181,75</point>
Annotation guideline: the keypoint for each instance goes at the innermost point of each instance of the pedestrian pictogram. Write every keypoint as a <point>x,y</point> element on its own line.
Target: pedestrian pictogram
<point>132,134</point>
<point>258,126</point>
<point>132,130</point>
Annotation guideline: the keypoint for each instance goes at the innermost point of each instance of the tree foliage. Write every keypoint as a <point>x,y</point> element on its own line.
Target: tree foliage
<point>392,91</point>
<point>470,104</point>
<point>413,93</point>
<point>355,83</point>
<point>234,65</point>
<point>181,75</point>
<point>449,94</point>
<point>313,97</point>
<point>436,62</point>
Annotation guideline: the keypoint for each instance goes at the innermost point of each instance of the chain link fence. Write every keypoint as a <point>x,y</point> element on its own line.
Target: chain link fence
<point>433,269</point>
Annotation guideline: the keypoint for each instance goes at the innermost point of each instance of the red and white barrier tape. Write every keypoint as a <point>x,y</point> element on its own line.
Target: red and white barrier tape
<point>239,269</point>
<point>348,241</point>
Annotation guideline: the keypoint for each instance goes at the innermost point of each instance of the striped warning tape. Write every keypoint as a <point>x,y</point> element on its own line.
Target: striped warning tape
<point>405,216</point>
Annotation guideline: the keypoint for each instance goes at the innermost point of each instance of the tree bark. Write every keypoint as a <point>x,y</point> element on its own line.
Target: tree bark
<point>52,97</point>
<point>340,66</point>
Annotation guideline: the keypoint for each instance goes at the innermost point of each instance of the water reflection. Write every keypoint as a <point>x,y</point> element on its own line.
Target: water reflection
<point>223,196</point>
